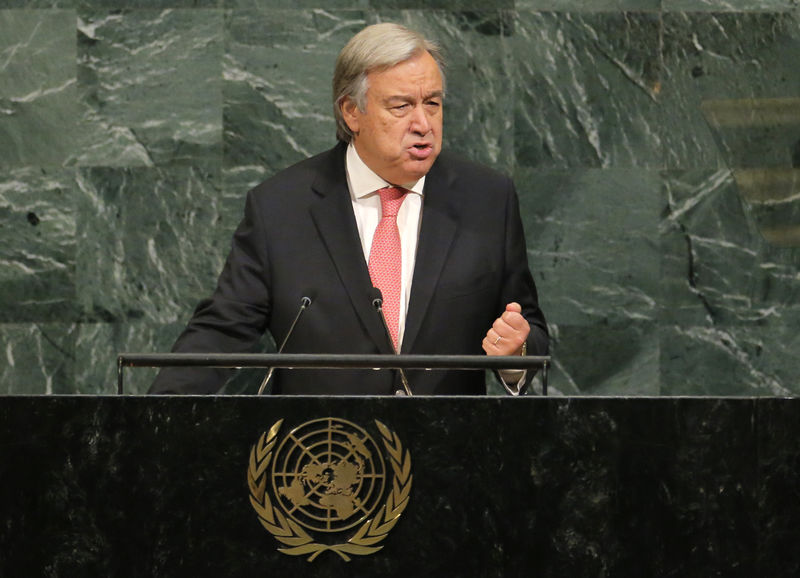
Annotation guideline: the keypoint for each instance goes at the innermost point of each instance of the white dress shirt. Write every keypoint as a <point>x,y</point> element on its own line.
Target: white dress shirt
<point>364,185</point>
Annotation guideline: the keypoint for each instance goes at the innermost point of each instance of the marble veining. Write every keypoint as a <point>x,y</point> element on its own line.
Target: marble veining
<point>653,144</point>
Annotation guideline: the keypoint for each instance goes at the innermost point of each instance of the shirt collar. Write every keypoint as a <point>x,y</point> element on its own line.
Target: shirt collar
<point>363,180</point>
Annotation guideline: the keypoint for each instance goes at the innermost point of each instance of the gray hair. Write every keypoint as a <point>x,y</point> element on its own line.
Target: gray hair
<point>375,48</point>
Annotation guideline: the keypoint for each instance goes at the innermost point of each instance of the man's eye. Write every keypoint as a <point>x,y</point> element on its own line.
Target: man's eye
<point>401,107</point>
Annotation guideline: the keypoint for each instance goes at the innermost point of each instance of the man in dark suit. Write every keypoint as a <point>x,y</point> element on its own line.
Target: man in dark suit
<point>456,280</point>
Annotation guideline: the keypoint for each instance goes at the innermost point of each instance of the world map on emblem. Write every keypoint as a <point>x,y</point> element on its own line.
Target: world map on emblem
<point>328,475</point>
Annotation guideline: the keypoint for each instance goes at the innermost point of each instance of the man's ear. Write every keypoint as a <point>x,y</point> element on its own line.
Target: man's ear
<point>350,113</point>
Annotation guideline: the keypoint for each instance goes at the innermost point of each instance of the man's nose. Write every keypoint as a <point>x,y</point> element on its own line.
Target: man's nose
<point>420,123</point>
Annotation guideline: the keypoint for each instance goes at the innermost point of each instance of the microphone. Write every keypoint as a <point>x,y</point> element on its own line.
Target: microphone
<point>304,303</point>
<point>377,303</point>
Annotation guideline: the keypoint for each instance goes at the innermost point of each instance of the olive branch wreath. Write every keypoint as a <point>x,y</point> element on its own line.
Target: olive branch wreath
<point>366,539</point>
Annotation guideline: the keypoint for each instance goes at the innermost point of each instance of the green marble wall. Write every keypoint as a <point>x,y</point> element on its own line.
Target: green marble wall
<point>655,145</point>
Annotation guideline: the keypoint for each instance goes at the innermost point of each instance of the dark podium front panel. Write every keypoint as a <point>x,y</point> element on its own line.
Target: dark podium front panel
<point>158,486</point>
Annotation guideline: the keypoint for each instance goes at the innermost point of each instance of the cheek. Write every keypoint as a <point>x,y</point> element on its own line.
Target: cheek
<point>392,137</point>
<point>391,127</point>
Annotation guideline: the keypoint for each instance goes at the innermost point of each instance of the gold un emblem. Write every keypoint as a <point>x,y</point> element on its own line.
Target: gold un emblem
<point>324,482</point>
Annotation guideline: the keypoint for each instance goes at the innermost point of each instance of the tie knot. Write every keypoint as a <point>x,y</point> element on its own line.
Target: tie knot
<point>391,199</point>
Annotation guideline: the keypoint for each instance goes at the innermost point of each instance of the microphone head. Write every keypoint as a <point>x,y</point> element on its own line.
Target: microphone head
<point>308,296</point>
<point>376,297</point>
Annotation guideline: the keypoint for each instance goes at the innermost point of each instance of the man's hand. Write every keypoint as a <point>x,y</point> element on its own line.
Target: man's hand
<point>508,332</point>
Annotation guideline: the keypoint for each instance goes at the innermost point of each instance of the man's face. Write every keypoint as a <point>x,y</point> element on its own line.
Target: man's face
<point>399,134</point>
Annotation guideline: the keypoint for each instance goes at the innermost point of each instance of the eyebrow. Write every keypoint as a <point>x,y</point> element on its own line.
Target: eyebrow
<point>410,98</point>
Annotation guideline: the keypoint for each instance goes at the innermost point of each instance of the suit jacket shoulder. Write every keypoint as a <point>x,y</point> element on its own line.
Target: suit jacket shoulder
<point>320,172</point>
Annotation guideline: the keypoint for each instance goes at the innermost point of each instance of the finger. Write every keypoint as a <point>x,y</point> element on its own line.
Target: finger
<point>501,347</point>
<point>493,337</point>
<point>514,319</point>
<point>510,324</point>
<point>491,342</point>
<point>508,332</point>
<point>499,343</point>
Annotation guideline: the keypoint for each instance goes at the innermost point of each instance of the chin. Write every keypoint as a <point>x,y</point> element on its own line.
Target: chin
<point>411,177</point>
<point>418,169</point>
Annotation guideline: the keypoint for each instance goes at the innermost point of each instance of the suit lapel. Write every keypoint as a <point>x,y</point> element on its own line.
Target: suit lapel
<point>437,232</point>
<point>333,216</point>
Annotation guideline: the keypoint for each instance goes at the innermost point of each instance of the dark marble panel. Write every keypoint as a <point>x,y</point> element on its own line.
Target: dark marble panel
<point>37,358</point>
<point>758,139</point>
<point>297,4</point>
<point>449,5</point>
<point>37,4</point>
<point>722,56</point>
<point>148,4</point>
<point>273,115</point>
<point>593,251</point>
<point>738,359</point>
<point>590,5</point>
<point>592,242</point>
<point>717,268</point>
<point>501,487</point>
<point>37,87</point>
<point>97,346</point>
<point>587,90</point>
<point>37,245</point>
<point>752,141</point>
<point>728,5</point>
<point>151,87</point>
<point>730,297</point>
<point>152,242</point>
<point>621,358</point>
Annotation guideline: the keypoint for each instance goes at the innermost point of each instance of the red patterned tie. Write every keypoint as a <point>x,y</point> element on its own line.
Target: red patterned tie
<point>385,258</point>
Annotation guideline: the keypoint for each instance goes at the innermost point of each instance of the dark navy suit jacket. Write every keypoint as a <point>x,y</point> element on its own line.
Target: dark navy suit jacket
<point>298,237</point>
